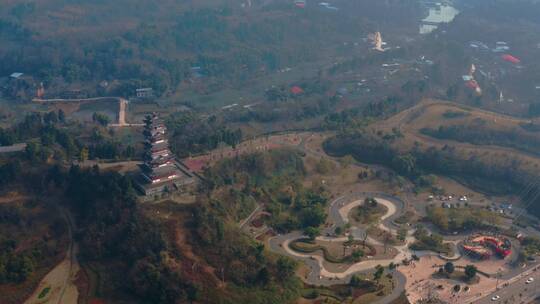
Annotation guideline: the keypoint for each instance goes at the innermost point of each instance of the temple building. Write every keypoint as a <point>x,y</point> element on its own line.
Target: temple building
<point>160,171</point>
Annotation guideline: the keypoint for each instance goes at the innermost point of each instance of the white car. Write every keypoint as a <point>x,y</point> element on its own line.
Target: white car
<point>529,281</point>
<point>495,298</point>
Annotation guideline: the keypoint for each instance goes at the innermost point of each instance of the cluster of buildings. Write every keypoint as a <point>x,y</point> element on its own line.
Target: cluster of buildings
<point>160,172</point>
<point>328,6</point>
<point>500,46</point>
<point>21,86</point>
<point>26,87</point>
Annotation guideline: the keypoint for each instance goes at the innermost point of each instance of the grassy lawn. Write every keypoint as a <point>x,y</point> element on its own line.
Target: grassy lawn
<point>313,293</point>
<point>366,214</point>
<point>386,286</point>
<point>446,249</point>
<point>343,293</point>
<point>408,217</point>
<point>305,246</point>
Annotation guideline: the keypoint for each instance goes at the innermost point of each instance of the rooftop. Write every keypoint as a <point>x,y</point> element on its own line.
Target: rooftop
<point>16,75</point>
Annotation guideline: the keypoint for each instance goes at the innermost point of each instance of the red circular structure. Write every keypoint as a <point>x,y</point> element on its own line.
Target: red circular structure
<point>480,245</point>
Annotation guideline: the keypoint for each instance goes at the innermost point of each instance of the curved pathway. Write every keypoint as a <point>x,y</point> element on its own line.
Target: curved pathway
<point>339,210</point>
<point>338,216</point>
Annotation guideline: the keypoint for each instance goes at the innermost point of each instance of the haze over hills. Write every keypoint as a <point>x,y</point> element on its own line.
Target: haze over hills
<point>140,41</point>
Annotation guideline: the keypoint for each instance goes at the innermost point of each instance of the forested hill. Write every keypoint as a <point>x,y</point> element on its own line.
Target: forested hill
<point>144,42</point>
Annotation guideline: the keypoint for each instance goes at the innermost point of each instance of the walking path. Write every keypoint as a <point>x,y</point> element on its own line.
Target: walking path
<point>13,148</point>
<point>338,216</point>
<point>61,279</point>
<point>339,210</point>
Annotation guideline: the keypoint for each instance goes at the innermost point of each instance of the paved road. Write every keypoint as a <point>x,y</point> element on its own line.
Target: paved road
<point>517,291</point>
<point>13,148</point>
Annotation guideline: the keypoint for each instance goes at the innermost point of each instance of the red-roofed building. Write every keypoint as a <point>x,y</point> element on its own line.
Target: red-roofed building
<point>472,84</point>
<point>300,3</point>
<point>296,90</point>
<point>511,59</point>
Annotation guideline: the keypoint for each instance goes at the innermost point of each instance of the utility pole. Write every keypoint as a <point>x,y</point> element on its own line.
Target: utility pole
<point>498,277</point>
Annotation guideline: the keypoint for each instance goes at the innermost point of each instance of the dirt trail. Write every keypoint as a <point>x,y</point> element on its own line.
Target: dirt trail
<point>13,198</point>
<point>60,281</point>
<point>122,112</point>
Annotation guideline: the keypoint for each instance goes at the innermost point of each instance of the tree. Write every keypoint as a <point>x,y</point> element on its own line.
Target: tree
<point>339,230</point>
<point>387,238</point>
<point>129,152</point>
<point>84,154</point>
<point>355,281</point>
<point>402,234</point>
<point>61,116</point>
<point>313,217</point>
<point>6,138</point>
<point>346,161</point>
<point>101,119</point>
<point>325,166</point>
<point>370,202</point>
<point>470,271</point>
<point>286,267</point>
<point>379,271</point>
<point>357,255</point>
<point>50,118</point>
<point>405,164</point>
<point>314,294</point>
<point>32,151</point>
<point>193,293</point>
<point>449,267</point>
<point>439,217</point>
<point>350,240</point>
<point>312,233</point>
<point>365,236</point>
<point>263,277</point>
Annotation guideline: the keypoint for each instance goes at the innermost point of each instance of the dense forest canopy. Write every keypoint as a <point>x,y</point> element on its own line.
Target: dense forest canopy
<point>142,43</point>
